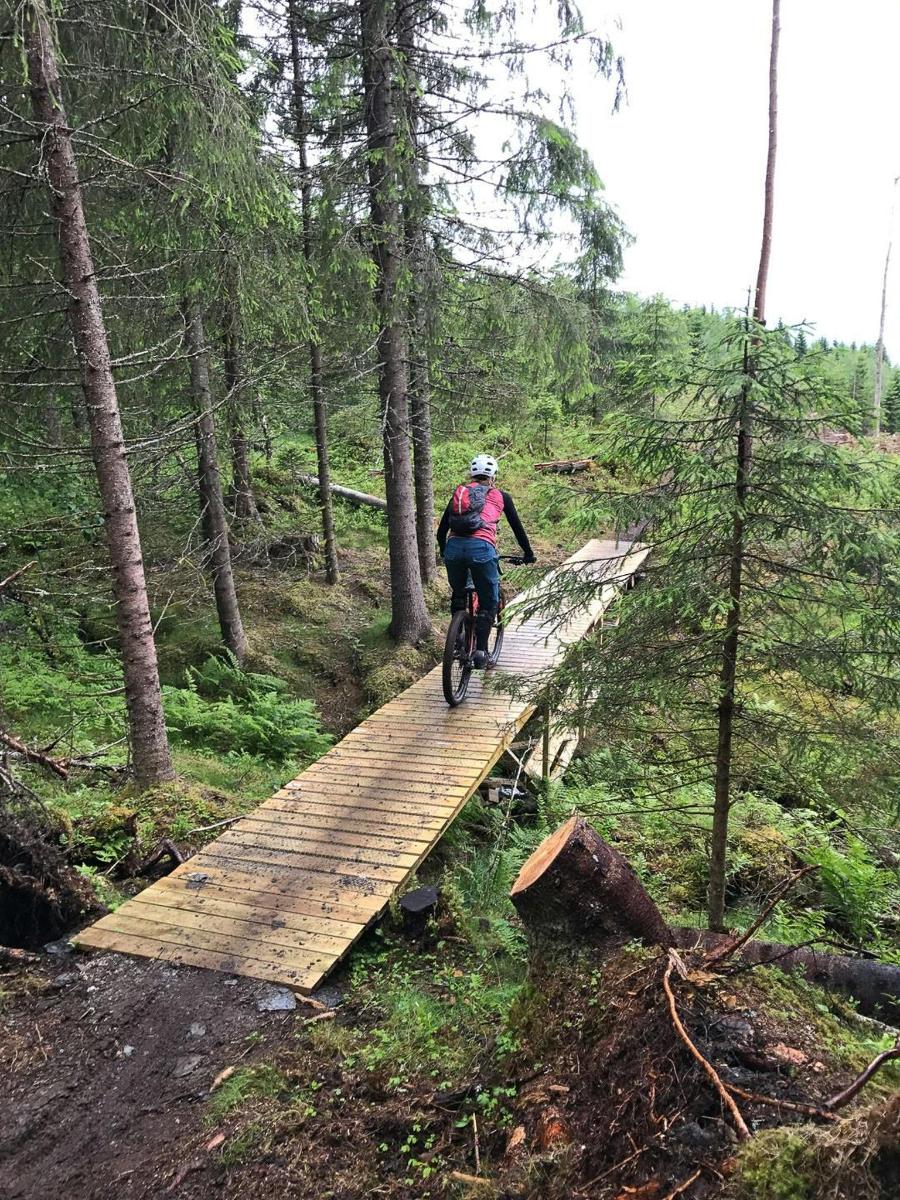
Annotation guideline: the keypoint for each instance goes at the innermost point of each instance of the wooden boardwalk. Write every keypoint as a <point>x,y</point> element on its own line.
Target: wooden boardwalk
<point>287,890</point>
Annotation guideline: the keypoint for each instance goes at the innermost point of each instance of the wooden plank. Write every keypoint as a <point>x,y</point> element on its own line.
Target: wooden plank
<point>240,923</point>
<point>95,938</point>
<point>376,799</point>
<point>563,744</point>
<point>339,770</point>
<point>298,958</point>
<point>303,966</point>
<point>401,765</point>
<point>337,816</point>
<point>352,821</point>
<point>432,751</point>
<point>336,873</point>
<point>224,901</point>
<point>292,891</point>
<point>266,836</point>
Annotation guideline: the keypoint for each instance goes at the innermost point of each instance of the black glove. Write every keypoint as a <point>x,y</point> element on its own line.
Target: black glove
<point>528,559</point>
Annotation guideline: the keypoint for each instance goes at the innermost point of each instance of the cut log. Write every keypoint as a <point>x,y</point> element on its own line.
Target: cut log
<point>346,493</point>
<point>569,466</point>
<point>874,985</point>
<point>577,887</point>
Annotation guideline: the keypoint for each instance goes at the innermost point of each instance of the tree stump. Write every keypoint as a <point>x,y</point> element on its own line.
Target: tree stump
<point>578,888</point>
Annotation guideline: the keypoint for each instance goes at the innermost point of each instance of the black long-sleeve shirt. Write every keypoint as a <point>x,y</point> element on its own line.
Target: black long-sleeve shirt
<point>509,511</point>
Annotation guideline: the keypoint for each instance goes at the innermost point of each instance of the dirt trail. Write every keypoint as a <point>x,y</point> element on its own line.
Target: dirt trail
<point>104,1062</point>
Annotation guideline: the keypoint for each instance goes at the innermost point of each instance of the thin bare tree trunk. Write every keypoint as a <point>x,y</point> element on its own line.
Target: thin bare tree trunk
<point>409,616</point>
<point>765,252</point>
<point>879,347</point>
<point>418,303</point>
<point>316,373</point>
<point>151,758</point>
<point>423,469</point>
<point>210,488</point>
<point>244,501</point>
<point>744,457</point>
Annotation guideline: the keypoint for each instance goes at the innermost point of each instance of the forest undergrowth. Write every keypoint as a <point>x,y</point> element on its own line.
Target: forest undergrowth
<point>444,1044</point>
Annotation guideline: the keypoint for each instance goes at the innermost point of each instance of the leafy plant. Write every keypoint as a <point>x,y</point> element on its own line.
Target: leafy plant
<point>252,717</point>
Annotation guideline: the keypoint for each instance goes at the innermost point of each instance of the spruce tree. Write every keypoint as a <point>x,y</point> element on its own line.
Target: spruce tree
<point>147,731</point>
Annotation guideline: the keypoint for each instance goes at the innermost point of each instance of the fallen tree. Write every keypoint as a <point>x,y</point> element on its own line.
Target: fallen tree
<point>346,493</point>
<point>569,466</point>
<point>874,985</point>
<point>577,888</point>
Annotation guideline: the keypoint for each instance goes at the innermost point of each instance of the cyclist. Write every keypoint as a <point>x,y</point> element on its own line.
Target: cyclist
<point>467,536</point>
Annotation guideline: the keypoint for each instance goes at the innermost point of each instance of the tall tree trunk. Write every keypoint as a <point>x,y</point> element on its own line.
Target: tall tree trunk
<point>879,347</point>
<point>151,758</point>
<point>212,503</point>
<point>244,501</point>
<point>316,373</point>
<point>418,302</point>
<point>744,457</point>
<point>409,617</point>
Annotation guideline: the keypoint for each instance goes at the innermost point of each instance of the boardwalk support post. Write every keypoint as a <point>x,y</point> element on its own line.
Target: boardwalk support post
<point>545,746</point>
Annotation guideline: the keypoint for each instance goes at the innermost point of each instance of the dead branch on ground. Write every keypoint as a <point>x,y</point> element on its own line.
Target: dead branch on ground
<point>863,1078</point>
<point>727,1100</point>
<point>57,766</point>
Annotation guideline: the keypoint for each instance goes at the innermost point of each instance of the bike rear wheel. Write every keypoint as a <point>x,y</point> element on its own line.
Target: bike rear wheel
<point>458,658</point>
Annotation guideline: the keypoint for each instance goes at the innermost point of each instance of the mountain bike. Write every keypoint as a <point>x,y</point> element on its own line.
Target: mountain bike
<point>459,648</point>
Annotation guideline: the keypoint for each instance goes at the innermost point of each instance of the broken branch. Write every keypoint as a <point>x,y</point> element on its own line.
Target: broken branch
<point>684,1185</point>
<point>733,946</point>
<point>862,1079</point>
<point>728,1101</point>
<point>165,849</point>
<point>808,1110</point>
<point>51,764</point>
<point>16,574</point>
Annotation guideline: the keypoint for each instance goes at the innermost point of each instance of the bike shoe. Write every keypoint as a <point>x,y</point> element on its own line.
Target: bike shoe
<point>480,660</point>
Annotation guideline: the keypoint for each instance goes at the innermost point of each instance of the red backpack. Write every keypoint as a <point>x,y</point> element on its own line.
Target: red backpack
<point>466,508</point>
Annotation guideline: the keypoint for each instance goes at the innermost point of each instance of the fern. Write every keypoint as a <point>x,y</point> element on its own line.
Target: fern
<point>250,715</point>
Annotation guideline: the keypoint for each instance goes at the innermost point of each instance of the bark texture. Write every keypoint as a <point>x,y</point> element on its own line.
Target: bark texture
<point>409,617</point>
<point>316,372</point>
<point>420,298</point>
<point>875,985</point>
<point>212,502</point>
<point>151,758</point>
<point>235,381</point>
<point>577,888</point>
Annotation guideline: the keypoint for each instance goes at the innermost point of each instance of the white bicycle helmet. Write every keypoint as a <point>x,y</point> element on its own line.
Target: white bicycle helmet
<point>484,464</point>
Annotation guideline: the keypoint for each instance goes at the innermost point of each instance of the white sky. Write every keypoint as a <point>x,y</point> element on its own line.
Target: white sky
<point>684,160</point>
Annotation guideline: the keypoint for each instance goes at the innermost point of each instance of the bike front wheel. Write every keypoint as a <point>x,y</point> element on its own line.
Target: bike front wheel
<point>457,659</point>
